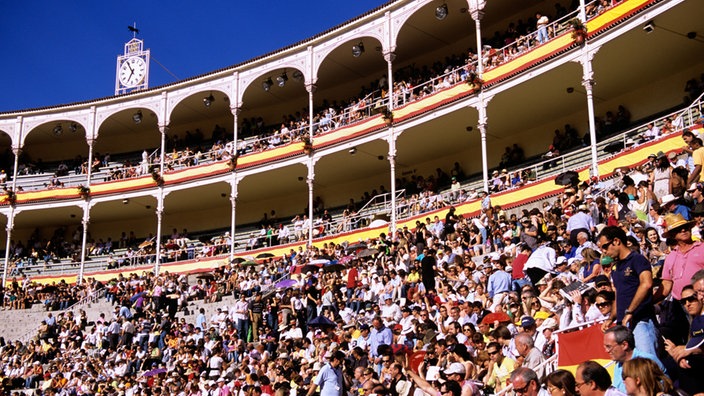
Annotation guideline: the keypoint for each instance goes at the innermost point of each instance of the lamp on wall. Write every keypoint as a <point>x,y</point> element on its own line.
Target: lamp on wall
<point>358,49</point>
<point>441,12</point>
<point>137,117</point>
<point>73,127</point>
<point>281,80</point>
<point>208,100</point>
<point>58,130</point>
<point>266,85</point>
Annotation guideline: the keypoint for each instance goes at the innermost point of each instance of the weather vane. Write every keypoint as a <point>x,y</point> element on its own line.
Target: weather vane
<point>133,29</point>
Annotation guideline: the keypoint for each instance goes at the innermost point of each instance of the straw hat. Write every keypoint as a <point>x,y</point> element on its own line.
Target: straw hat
<point>675,221</point>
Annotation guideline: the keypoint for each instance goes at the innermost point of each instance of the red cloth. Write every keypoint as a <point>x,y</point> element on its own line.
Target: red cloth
<point>582,345</point>
<point>352,278</point>
<point>517,266</point>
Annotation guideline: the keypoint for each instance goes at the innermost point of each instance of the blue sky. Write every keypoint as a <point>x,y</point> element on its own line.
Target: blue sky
<point>57,52</point>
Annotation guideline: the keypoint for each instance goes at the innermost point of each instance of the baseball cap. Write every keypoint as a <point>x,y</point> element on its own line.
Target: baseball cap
<point>455,368</point>
<point>527,321</point>
<point>697,333</point>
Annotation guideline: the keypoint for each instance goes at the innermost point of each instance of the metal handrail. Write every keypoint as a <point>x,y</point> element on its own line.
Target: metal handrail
<point>405,211</point>
<point>526,43</point>
<point>93,297</point>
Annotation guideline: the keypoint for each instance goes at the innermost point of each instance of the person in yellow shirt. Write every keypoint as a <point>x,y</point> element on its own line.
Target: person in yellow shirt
<point>413,277</point>
<point>501,368</point>
<point>696,175</point>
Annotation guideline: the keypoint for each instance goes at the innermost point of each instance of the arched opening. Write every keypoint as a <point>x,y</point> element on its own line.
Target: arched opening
<point>200,127</point>
<point>275,107</point>
<point>42,166</point>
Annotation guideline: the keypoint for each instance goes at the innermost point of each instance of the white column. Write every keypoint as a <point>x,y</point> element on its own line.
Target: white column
<point>588,83</point>
<point>392,164</point>
<point>233,182</point>
<point>310,180</point>
<point>8,229</point>
<point>389,58</point>
<point>235,127</point>
<point>476,9</point>
<point>233,202</point>
<point>90,141</point>
<point>163,129</point>
<point>481,124</point>
<point>159,220</point>
<point>310,87</point>
<point>16,150</point>
<point>84,222</point>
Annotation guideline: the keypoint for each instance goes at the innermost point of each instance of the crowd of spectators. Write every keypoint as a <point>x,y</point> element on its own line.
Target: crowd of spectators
<point>453,305</point>
<point>477,299</point>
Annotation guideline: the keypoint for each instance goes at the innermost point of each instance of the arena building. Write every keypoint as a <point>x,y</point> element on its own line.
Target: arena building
<point>291,133</point>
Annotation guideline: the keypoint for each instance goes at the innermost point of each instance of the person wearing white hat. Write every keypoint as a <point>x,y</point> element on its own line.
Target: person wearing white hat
<point>390,311</point>
<point>672,205</point>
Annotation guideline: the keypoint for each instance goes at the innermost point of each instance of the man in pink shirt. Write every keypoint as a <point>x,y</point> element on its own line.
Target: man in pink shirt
<point>680,265</point>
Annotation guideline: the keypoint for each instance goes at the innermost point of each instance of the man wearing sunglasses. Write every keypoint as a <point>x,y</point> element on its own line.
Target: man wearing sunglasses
<point>680,265</point>
<point>500,368</point>
<point>689,357</point>
<point>525,382</point>
<point>633,283</point>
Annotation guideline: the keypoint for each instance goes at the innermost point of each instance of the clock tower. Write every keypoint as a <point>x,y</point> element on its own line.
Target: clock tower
<point>132,72</point>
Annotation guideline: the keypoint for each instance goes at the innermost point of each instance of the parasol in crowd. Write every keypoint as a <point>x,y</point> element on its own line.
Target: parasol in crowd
<point>496,317</point>
<point>264,255</point>
<point>286,283</point>
<point>355,246</point>
<point>206,275</point>
<point>367,253</point>
<point>567,178</point>
<point>154,372</point>
<point>322,322</point>
<point>238,260</point>
<point>310,268</point>
<point>334,268</point>
<point>345,259</point>
<point>248,263</point>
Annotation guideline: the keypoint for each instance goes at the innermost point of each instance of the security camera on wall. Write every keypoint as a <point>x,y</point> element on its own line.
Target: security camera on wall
<point>649,27</point>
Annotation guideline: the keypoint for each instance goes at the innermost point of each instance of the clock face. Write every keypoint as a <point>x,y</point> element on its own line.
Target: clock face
<point>132,71</point>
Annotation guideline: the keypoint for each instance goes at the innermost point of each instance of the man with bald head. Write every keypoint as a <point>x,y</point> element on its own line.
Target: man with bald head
<point>532,357</point>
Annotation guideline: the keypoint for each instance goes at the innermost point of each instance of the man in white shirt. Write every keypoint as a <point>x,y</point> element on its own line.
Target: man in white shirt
<point>390,311</point>
<point>240,315</point>
<point>541,262</point>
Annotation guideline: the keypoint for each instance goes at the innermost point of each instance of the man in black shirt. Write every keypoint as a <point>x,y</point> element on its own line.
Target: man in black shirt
<point>312,299</point>
<point>256,307</point>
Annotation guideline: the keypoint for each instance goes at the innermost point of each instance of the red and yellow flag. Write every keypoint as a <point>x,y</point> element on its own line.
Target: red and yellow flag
<point>575,347</point>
